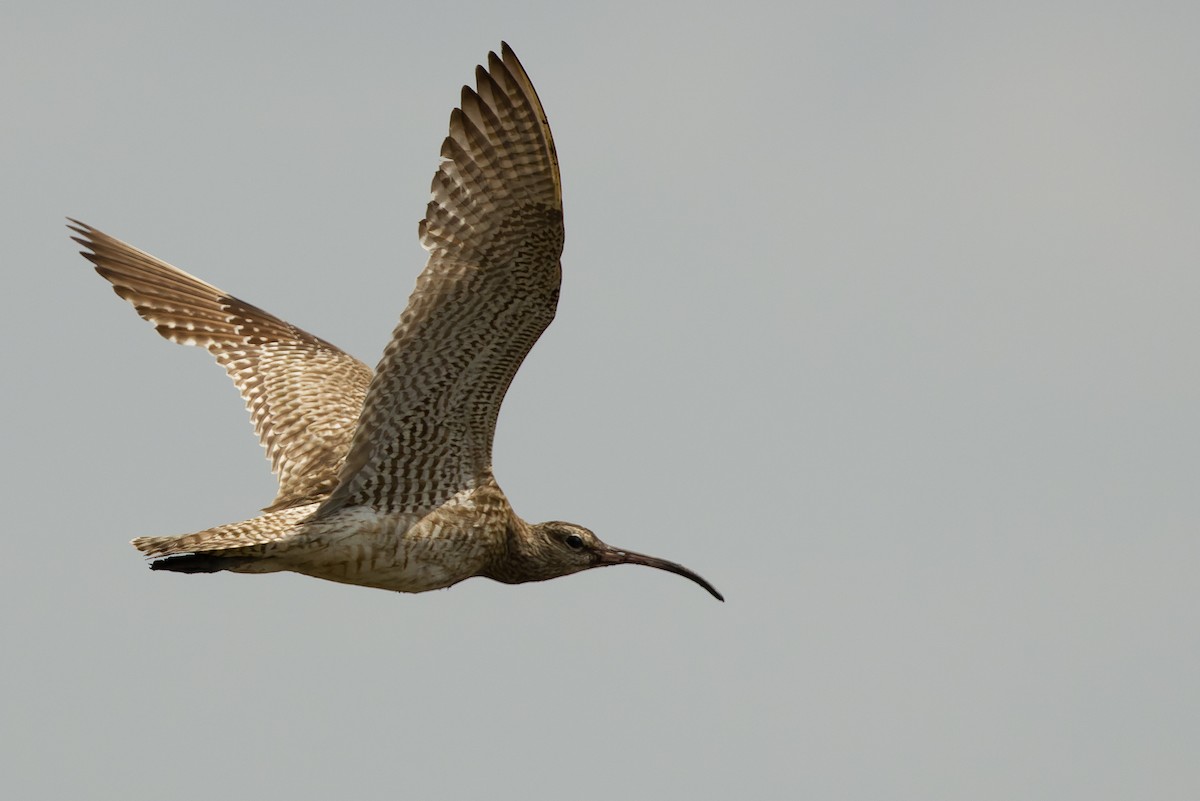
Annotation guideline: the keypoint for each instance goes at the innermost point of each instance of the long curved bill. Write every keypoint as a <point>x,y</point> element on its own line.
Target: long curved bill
<point>616,556</point>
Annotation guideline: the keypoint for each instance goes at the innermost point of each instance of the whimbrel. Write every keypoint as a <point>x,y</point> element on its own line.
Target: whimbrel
<point>385,479</point>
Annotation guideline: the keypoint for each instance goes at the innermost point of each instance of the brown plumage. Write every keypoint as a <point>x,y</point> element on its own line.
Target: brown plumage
<point>385,480</point>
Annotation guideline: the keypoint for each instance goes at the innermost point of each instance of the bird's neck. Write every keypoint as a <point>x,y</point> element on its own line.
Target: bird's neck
<point>521,559</point>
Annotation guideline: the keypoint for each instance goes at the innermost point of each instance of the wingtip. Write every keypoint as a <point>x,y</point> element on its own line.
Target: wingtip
<point>81,228</point>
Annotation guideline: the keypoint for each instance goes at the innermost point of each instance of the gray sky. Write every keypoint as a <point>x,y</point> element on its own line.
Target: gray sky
<point>880,316</point>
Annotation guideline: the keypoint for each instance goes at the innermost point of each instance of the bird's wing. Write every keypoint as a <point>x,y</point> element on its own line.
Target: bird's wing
<point>304,394</point>
<point>494,233</point>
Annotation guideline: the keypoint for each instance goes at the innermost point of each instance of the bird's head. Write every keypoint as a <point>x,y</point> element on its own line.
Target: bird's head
<point>565,548</point>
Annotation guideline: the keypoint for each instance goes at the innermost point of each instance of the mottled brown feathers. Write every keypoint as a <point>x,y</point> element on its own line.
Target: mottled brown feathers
<point>494,234</point>
<point>304,394</point>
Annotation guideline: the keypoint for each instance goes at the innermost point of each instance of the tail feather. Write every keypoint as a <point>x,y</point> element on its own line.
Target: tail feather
<point>266,528</point>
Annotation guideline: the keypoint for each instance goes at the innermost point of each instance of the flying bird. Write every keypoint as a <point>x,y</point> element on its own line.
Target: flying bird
<point>385,478</point>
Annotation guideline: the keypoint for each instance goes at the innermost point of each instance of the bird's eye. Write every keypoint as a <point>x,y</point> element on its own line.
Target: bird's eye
<point>574,542</point>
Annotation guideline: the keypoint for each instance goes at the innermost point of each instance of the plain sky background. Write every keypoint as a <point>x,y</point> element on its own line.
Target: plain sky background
<point>881,316</point>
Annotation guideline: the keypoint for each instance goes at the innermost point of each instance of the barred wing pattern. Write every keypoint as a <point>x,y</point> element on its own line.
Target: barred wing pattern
<point>494,232</point>
<point>304,394</point>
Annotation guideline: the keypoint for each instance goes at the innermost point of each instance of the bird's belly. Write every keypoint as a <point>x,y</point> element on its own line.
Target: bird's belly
<point>391,552</point>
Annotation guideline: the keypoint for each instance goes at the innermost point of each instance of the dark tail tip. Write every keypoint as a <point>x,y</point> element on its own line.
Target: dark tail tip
<point>196,563</point>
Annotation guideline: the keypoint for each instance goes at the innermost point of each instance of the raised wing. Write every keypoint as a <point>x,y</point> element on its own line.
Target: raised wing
<point>494,233</point>
<point>304,394</point>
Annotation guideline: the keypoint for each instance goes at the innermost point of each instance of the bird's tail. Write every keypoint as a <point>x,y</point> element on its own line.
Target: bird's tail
<point>226,547</point>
